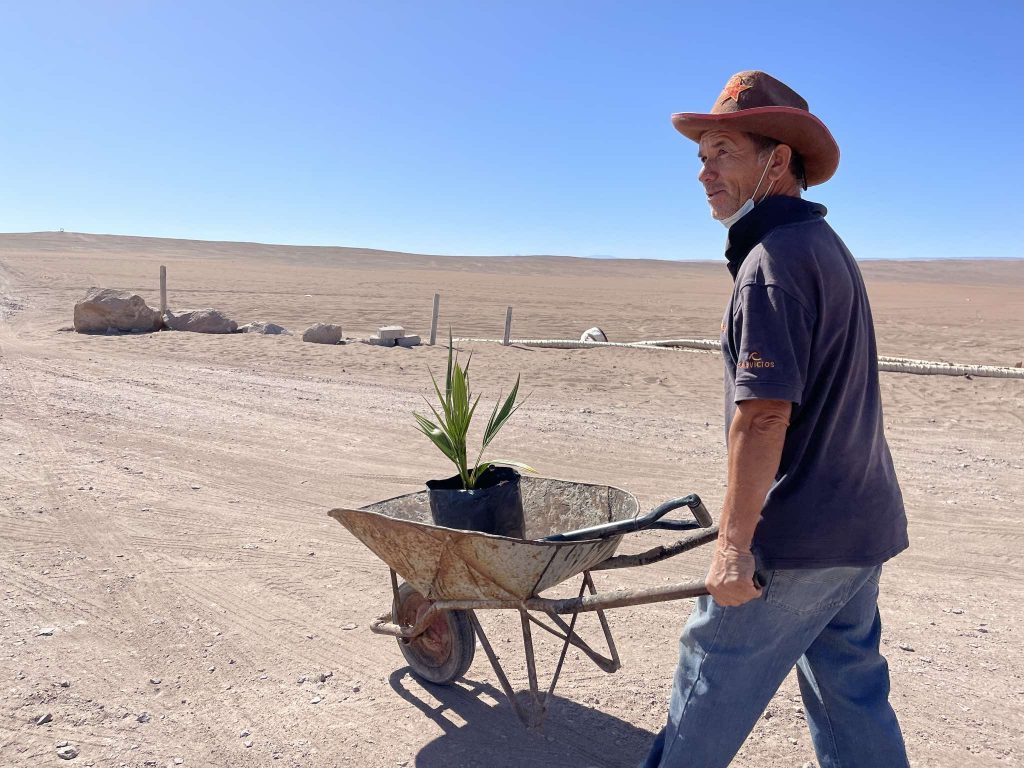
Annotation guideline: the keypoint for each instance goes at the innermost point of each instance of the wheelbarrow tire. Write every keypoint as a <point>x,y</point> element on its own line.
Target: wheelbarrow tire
<point>444,652</point>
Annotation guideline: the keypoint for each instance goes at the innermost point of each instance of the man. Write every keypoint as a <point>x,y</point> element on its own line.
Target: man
<point>812,507</point>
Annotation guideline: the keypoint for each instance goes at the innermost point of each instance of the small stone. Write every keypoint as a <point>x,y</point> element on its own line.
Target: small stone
<point>195,487</point>
<point>792,740</point>
<point>179,760</point>
<point>143,717</point>
<point>44,719</point>
<point>356,689</point>
<point>248,745</point>
<point>323,677</point>
<point>244,733</point>
<point>155,680</point>
<point>322,333</point>
<point>212,669</point>
<point>264,328</point>
<point>64,684</point>
<point>907,648</point>
<point>315,700</point>
<point>301,679</point>
<point>46,632</point>
<point>67,753</point>
<point>348,626</point>
<point>390,333</point>
<point>60,744</point>
<point>957,611</point>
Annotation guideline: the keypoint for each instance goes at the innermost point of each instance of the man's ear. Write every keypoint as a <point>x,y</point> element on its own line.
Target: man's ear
<point>780,161</point>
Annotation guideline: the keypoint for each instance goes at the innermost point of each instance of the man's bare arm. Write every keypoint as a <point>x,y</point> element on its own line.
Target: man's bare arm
<point>756,437</point>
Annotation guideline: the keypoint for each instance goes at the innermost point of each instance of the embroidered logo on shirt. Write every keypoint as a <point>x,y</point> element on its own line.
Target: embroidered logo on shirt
<point>754,360</point>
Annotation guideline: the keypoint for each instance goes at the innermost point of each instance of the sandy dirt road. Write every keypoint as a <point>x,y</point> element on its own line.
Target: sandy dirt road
<point>163,505</point>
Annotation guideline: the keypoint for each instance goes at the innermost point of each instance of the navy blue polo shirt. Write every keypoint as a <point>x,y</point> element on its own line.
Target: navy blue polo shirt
<point>799,328</point>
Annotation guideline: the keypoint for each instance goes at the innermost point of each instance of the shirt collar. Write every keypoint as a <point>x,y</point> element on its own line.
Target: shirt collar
<point>770,213</point>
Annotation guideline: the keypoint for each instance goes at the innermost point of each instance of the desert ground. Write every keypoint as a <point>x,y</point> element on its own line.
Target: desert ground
<point>174,592</point>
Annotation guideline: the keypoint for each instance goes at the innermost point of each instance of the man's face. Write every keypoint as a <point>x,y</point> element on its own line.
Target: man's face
<point>730,169</point>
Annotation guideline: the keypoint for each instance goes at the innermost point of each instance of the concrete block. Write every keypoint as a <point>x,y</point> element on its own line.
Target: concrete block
<point>378,341</point>
<point>391,332</point>
<point>408,341</point>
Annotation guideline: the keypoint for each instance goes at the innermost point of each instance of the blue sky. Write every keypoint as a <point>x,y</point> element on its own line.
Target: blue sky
<point>498,127</point>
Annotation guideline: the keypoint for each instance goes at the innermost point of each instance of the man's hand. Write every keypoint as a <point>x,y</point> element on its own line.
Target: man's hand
<point>756,438</point>
<point>730,579</point>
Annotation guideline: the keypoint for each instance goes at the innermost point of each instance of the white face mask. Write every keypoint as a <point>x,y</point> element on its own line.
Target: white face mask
<point>748,206</point>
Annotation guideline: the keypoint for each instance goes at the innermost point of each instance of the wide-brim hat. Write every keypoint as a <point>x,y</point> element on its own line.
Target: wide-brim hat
<point>756,102</point>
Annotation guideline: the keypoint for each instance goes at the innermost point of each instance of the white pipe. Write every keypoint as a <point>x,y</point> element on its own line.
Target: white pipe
<point>885,363</point>
<point>948,369</point>
<point>561,343</point>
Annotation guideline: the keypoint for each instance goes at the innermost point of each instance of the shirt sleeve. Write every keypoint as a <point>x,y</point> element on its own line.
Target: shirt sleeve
<point>773,334</point>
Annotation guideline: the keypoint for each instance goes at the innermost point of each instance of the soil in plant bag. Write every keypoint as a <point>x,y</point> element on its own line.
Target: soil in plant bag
<point>494,506</point>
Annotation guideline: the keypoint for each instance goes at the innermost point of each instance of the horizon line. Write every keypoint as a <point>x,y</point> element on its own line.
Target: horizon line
<point>592,257</point>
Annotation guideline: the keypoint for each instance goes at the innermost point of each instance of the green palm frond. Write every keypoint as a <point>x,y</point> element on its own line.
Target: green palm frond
<point>500,416</point>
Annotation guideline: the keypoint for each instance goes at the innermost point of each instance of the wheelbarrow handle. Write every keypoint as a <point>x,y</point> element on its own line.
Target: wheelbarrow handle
<point>697,509</point>
<point>652,520</point>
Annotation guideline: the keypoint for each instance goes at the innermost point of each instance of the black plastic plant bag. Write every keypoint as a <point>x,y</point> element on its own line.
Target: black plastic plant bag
<point>494,506</point>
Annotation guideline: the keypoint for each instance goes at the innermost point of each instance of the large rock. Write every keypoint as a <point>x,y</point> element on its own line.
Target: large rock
<point>200,321</point>
<point>265,328</point>
<point>322,333</point>
<point>104,308</point>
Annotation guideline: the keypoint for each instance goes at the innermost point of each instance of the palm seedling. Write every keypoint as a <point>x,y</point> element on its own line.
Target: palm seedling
<point>450,429</point>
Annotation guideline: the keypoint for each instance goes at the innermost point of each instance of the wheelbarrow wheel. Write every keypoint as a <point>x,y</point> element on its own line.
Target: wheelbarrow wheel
<point>444,652</point>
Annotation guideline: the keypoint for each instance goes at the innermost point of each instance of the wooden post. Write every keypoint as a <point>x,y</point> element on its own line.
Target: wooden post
<point>508,325</point>
<point>163,291</point>
<point>433,319</point>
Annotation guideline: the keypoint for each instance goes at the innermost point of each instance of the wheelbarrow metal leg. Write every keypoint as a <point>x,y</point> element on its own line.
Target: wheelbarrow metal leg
<point>565,649</point>
<point>506,686</point>
<point>589,581</point>
<point>538,706</point>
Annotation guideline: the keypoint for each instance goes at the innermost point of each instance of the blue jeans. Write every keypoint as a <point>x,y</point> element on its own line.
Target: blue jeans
<point>733,660</point>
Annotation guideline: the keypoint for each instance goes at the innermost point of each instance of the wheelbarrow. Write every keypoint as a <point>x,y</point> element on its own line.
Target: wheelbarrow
<point>572,529</point>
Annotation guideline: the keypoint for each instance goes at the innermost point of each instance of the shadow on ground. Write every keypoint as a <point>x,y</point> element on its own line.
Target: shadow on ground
<point>481,730</point>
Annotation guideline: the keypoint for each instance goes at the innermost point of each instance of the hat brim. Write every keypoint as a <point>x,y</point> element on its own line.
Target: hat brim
<point>797,128</point>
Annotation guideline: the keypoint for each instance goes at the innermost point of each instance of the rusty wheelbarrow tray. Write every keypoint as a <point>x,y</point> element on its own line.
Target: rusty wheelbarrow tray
<point>571,530</point>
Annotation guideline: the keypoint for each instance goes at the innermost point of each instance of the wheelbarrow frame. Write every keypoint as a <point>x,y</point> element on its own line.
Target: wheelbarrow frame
<point>588,599</point>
